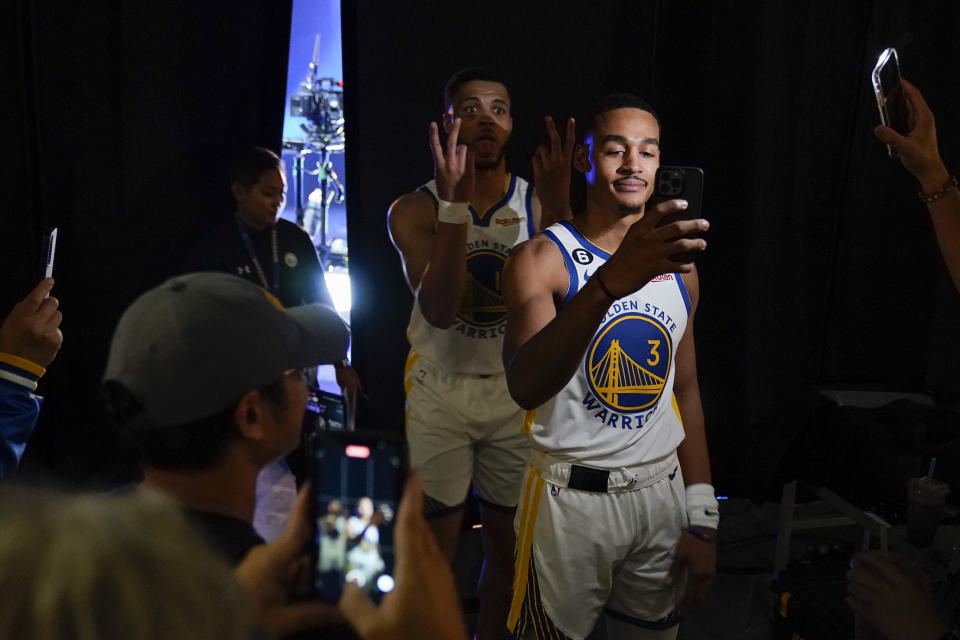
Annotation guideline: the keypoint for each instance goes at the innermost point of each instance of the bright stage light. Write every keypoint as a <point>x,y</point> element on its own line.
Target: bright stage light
<point>338,283</point>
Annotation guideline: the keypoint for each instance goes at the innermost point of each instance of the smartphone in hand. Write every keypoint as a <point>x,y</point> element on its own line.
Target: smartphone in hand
<point>48,253</point>
<point>888,89</point>
<point>685,183</point>
<point>357,483</point>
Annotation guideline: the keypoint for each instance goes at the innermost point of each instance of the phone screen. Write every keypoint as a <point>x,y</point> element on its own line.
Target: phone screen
<point>356,490</point>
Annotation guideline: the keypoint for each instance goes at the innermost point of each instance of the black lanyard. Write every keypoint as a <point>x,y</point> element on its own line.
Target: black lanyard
<point>252,253</point>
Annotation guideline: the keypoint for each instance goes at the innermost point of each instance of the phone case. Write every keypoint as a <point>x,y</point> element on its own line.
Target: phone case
<point>883,93</point>
<point>685,183</point>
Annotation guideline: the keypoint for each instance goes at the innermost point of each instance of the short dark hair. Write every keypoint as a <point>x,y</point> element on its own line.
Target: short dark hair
<point>612,102</point>
<point>252,163</point>
<point>193,445</point>
<point>464,76</point>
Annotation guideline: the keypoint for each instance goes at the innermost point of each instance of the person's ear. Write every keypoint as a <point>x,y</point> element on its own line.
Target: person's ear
<point>237,190</point>
<point>581,158</point>
<point>248,416</point>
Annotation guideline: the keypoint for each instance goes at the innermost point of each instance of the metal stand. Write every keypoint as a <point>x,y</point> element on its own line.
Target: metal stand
<point>320,101</point>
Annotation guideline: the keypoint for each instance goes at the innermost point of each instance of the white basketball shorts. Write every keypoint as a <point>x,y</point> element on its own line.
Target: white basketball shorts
<point>582,553</point>
<point>461,428</point>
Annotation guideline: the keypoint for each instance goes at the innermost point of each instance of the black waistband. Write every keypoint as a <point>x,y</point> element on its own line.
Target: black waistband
<point>587,479</point>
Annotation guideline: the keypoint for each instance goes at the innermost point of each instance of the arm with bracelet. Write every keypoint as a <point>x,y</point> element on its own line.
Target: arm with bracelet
<point>433,245</point>
<point>920,156</point>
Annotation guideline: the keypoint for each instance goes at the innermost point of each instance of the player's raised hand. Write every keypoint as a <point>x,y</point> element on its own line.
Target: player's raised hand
<point>552,164</point>
<point>454,167</point>
<point>649,250</point>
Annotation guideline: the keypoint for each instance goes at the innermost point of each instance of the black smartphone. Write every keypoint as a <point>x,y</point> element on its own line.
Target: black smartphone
<point>888,88</point>
<point>685,183</point>
<point>48,253</point>
<point>357,482</point>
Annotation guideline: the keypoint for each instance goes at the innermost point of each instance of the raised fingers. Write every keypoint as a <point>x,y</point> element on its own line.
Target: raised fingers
<point>453,137</point>
<point>568,142</point>
<point>553,135</point>
<point>436,148</point>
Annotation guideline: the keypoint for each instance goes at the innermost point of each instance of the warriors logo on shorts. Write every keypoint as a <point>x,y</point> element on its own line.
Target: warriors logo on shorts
<point>628,361</point>
<point>483,304</point>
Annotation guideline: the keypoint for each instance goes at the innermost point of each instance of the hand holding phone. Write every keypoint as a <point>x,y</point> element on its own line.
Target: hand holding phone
<point>425,603</point>
<point>917,149</point>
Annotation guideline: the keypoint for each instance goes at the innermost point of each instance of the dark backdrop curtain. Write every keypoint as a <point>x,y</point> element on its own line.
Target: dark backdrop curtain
<point>822,267</point>
<point>122,117</point>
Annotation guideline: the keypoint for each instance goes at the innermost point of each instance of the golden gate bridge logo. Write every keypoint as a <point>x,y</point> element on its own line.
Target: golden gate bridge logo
<point>483,304</point>
<point>628,362</point>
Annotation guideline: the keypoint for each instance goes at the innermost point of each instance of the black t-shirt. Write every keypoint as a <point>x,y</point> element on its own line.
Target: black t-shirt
<point>300,276</point>
<point>230,537</point>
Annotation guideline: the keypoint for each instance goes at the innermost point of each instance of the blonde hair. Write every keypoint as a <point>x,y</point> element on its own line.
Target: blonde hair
<point>105,568</point>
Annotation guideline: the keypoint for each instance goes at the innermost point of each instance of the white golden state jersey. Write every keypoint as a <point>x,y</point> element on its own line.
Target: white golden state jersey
<point>472,344</point>
<point>618,410</point>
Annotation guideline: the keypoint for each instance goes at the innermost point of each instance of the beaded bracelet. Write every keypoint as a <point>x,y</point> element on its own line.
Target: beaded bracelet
<point>927,198</point>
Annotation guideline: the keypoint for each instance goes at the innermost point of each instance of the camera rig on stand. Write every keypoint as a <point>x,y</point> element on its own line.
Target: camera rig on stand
<point>320,101</point>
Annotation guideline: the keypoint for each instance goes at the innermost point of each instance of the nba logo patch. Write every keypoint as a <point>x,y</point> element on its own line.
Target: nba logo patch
<point>554,490</point>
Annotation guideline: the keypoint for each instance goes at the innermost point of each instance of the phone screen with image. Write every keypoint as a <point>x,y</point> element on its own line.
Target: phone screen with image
<point>356,490</point>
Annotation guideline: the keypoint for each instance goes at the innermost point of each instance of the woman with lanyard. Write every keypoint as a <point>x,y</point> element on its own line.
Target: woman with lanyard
<point>278,255</point>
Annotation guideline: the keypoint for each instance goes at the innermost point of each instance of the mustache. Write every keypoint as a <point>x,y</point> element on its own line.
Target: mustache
<point>643,180</point>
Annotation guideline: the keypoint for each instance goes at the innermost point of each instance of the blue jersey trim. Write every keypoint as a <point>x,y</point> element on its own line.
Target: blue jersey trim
<point>586,244</point>
<point>531,227</point>
<point>573,287</point>
<point>485,221</point>
<point>683,292</point>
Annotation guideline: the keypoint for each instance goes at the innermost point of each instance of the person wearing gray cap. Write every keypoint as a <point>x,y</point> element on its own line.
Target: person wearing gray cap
<point>203,382</point>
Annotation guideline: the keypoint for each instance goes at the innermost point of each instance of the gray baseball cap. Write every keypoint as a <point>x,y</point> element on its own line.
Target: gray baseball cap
<point>193,345</point>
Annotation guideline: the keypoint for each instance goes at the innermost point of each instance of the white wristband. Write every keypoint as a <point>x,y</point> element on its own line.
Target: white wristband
<point>702,507</point>
<point>453,212</point>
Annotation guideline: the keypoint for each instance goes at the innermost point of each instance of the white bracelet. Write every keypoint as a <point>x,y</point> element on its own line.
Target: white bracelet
<point>702,507</point>
<point>453,212</point>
